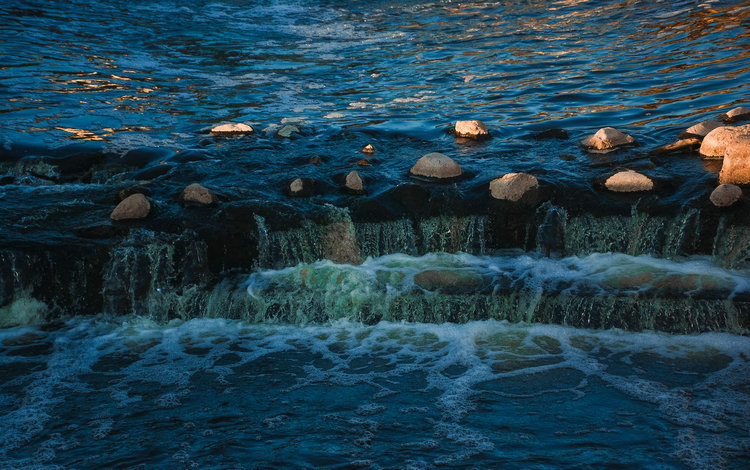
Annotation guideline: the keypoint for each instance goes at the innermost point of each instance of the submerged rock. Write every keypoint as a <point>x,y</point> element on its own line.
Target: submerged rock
<point>135,206</point>
<point>436,165</point>
<point>513,186</point>
<point>700,129</point>
<point>354,182</point>
<point>364,162</point>
<point>715,142</point>
<point>368,149</point>
<point>233,128</point>
<point>725,195</point>
<point>447,280</point>
<point>198,194</point>
<point>736,114</point>
<point>629,181</point>
<point>287,131</point>
<point>607,138</point>
<point>690,143</point>
<point>551,134</point>
<point>471,129</point>
<point>736,165</point>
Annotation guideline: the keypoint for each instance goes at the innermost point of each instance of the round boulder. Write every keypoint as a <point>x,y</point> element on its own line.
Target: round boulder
<point>701,129</point>
<point>725,195</point>
<point>287,131</point>
<point>354,182</point>
<point>135,206</point>
<point>736,114</point>
<point>513,186</point>
<point>736,165</point>
<point>198,194</point>
<point>297,186</point>
<point>629,181</point>
<point>715,142</point>
<point>471,129</point>
<point>607,138</point>
<point>436,165</point>
<point>232,128</point>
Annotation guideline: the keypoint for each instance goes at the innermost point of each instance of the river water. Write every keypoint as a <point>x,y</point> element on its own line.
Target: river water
<point>100,97</point>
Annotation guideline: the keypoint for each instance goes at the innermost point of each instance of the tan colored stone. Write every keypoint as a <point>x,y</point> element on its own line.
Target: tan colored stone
<point>737,114</point>
<point>296,186</point>
<point>287,131</point>
<point>736,165</point>
<point>512,186</point>
<point>368,149</point>
<point>436,165</point>
<point>198,194</point>
<point>354,181</point>
<point>725,195</point>
<point>135,206</point>
<point>629,181</point>
<point>607,138</point>
<point>715,142</point>
<point>233,128</point>
<point>702,128</point>
<point>471,129</point>
<point>683,144</point>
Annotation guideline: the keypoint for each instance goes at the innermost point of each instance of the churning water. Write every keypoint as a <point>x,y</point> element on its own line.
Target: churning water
<point>226,394</point>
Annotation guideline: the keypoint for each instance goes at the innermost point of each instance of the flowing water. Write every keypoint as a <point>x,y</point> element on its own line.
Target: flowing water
<point>416,325</point>
<point>225,394</point>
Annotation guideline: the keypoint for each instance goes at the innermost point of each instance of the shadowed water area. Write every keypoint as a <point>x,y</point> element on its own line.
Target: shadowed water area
<point>415,324</point>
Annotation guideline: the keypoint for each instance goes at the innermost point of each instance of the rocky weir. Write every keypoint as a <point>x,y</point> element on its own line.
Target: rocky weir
<point>153,232</point>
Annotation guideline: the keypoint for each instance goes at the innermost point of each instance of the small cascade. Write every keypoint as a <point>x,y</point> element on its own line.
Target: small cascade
<point>731,247</point>
<point>641,233</point>
<point>383,238</point>
<point>598,291</point>
<point>451,234</point>
<point>152,275</point>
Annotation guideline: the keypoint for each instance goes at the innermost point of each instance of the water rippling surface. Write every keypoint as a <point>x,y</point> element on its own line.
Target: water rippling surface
<point>220,394</point>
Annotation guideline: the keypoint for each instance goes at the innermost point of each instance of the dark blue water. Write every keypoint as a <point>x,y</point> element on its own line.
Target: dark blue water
<point>100,97</point>
<point>219,394</point>
<point>125,75</point>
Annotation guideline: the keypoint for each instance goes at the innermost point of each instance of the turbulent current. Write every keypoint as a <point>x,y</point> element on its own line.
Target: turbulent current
<point>409,323</point>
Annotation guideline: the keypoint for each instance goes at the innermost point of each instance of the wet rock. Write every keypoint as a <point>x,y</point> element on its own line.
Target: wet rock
<point>368,149</point>
<point>688,144</point>
<point>735,115</point>
<point>232,128</point>
<point>340,245</point>
<point>701,129</point>
<point>629,181</point>
<point>436,165</point>
<point>471,129</point>
<point>736,166</point>
<point>715,142</point>
<point>153,172</point>
<point>448,281</point>
<point>287,131</point>
<point>135,206</point>
<point>513,186</point>
<point>198,194</point>
<point>551,134</point>
<point>302,187</point>
<point>607,138</point>
<point>315,160</point>
<point>725,195</point>
<point>354,182</point>
<point>364,162</point>
<point>189,156</point>
<point>143,156</point>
